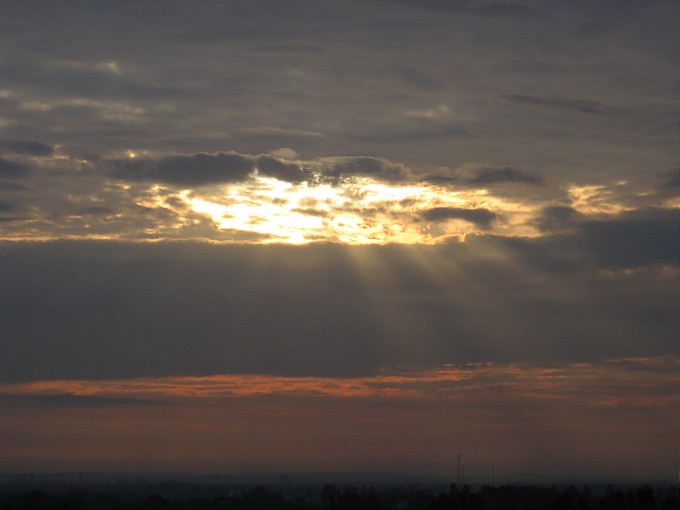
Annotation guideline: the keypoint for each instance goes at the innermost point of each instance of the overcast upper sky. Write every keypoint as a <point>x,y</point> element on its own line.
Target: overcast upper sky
<point>313,222</point>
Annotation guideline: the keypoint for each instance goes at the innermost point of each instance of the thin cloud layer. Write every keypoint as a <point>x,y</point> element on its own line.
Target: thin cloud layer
<point>185,308</point>
<point>13,169</point>
<point>483,176</point>
<point>559,103</point>
<point>517,417</point>
<point>500,175</point>
<point>27,147</point>
<point>625,382</point>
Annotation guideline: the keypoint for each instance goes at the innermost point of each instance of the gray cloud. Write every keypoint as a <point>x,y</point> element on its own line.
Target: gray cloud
<point>503,175</point>
<point>109,79</point>
<point>108,310</point>
<point>193,170</point>
<point>668,184</point>
<point>397,133</point>
<point>480,176</point>
<point>579,91</point>
<point>283,171</point>
<point>26,147</point>
<point>13,169</point>
<point>480,217</point>
<point>12,186</point>
<point>484,10</point>
<point>309,211</point>
<point>559,103</point>
<point>631,240</point>
<point>9,212</point>
<point>6,207</point>
<point>87,79</point>
<point>160,331</point>
<point>203,169</point>
<point>377,168</point>
<point>557,218</point>
<point>131,84</point>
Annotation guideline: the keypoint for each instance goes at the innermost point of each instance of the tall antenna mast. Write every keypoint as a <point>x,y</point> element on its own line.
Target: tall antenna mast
<point>458,472</point>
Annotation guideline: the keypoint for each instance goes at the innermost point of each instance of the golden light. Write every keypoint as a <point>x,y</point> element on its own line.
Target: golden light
<point>358,210</point>
<point>595,199</point>
<point>353,210</point>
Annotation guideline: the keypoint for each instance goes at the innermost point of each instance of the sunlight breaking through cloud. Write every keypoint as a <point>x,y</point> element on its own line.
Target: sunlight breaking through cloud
<point>359,210</point>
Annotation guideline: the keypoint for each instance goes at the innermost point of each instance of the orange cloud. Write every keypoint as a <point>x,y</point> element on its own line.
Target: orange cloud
<point>630,381</point>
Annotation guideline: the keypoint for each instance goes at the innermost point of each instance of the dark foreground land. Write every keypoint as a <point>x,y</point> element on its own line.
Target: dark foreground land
<point>189,496</point>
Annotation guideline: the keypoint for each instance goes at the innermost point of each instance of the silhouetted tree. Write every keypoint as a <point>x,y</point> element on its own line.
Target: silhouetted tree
<point>613,500</point>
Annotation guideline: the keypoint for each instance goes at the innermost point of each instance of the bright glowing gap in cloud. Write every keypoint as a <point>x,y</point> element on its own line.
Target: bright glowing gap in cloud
<point>357,210</point>
<point>595,200</point>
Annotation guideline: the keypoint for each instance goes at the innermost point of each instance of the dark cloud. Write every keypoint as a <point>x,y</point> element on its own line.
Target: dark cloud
<point>111,310</point>
<point>377,168</point>
<point>485,176</point>
<point>12,186</point>
<point>203,169</point>
<point>309,211</point>
<point>484,10</point>
<point>630,240</point>
<point>510,10</point>
<point>283,171</point>
<point>193,170</point>
<point>578,90</point>
<point>557,218</point>
<point>13,169</point>
<point>223,320</point>
<point>417,130</point>
<point>8,212</point>
<point>96,211</point>
<point>88,79</point>
<point>415,77</point>
<point>480,217</point>
<point>438,178</point>
<point>6,207</point>
<point>505,175</point>
<point>126,84</point>
<point>559,103</point>
<point>30,148</point>
<point>668,185</point>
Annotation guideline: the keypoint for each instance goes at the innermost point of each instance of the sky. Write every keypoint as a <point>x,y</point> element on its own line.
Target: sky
<point>357,236</point>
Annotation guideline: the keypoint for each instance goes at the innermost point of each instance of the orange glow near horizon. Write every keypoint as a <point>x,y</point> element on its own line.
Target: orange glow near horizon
<point>638,382</point>
<point>587,416</point>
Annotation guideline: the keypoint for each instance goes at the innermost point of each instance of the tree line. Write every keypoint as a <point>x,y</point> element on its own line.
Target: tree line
<point>331,497</point>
